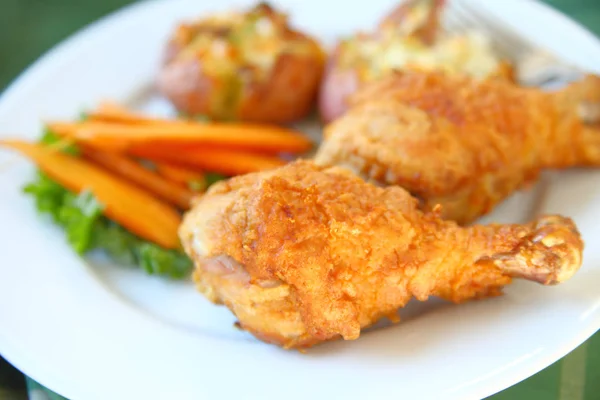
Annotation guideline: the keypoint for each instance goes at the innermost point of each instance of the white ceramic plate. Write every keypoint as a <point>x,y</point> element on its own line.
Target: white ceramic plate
<point>92,330</point>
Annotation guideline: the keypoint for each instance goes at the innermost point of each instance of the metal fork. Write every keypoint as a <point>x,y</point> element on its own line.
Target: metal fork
<point>534,65</point>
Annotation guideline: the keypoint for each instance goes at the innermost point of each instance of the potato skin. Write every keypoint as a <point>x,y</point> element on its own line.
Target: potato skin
<point>185,85</point>
<point>336,87</point>
<point>283,93</point>
<point>344,75</point>
<point>339,83</point>
<point>289,94</point>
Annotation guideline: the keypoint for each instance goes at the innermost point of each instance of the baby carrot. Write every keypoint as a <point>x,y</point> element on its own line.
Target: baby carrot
<point>136,173</point>
<point>224,161</point>
<point>113,112</point>
<point>132,207</point>
<point>120,136</point>
<point>179,174</point>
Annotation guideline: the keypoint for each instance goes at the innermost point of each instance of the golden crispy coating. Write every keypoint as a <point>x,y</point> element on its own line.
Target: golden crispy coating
<point>304,254</point>
<point>463,143</point>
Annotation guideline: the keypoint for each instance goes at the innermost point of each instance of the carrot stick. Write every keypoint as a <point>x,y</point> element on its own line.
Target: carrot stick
<point>119,136</point>
<point>112,112</point>
<point>126,204</point>
<point>224,161</point>
<point>136,173</point>
<point>179,174</point>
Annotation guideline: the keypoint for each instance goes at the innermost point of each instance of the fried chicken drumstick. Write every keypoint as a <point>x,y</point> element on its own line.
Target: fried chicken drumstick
<point>304,254</point>
<point>463,143</point>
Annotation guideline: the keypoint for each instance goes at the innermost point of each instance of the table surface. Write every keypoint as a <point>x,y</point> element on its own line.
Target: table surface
<point>30,27</point>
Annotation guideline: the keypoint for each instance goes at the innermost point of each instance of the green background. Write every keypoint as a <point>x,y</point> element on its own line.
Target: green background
<point>28,28</point>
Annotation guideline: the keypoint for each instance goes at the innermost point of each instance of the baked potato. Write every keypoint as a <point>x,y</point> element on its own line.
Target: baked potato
<point>248,66</point>
<point>409,37</point>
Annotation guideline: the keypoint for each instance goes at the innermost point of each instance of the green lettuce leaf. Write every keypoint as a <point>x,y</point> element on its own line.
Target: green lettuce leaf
<point>158,261</point>
<point>50,138</point>
<point>87,229</point>
<point>212,178</point>
<point>48,195</point>
<point>78,216</point>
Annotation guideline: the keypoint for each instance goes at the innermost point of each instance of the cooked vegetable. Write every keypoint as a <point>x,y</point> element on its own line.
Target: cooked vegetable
<point>109,111</point>
<point>134,208</point>
<point>242,66</point>
<point>136,173</point>
<point>113,112</point>
<point>106,200</point>
<point>228,162</point>
<point>409,37</point>
<point>120,137</point>
<point>193,179</point>
<point>88,230</point>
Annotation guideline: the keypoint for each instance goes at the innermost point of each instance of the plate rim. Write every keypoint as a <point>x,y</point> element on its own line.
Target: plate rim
<point>31,74</point>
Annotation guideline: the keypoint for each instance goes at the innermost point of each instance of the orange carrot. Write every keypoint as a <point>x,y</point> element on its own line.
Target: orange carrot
<point>136,173</point>
<point>126,204</point>
<point>112,112</point>
<point>179,174</point>
<point>119,136</point>
<point>224,161</point>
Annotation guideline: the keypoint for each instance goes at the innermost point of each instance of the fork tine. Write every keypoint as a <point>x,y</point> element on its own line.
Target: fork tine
<point>460,15</point>
<point>456,24</point>
<point>457,20</point>
<point>535,66</point>
<point>501,34</point>
<point>453,23</point>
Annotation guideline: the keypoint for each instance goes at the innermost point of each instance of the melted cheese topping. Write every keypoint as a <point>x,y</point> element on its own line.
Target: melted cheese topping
<point>236,50</point>
<point>402,40</point>
<point>471,53</point>
<point>252,41</point>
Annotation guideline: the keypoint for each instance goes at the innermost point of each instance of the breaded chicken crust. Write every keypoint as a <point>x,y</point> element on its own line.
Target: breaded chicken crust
<point>462,143</point>
<point>304,254</point>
